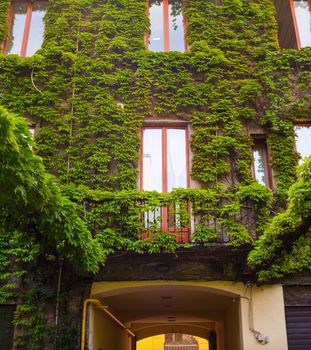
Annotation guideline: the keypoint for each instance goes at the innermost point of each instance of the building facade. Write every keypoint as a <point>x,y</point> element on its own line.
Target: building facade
<point>176,126</point>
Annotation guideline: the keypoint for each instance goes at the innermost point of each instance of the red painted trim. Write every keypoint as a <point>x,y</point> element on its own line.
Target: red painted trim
<point>185,232</point>
<point>185,29</point>
<point>164,159</point>
<point>295,24</point>
<point>26,29</point>
<point>166,28</point>
<point>302,124</point>
<point>164,177</point>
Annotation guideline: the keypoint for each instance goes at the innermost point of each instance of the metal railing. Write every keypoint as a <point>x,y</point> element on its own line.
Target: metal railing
<point>215,220</point>
<point>182,219</point>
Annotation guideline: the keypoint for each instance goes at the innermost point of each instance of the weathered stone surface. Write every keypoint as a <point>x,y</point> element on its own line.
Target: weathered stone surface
<point>201,264</point>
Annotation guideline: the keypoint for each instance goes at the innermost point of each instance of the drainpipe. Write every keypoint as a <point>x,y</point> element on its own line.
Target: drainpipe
<point>57,300</point>
<point>103,308</point>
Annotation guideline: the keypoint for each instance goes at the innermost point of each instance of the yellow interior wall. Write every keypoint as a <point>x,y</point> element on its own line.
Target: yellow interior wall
<point>157,343</point>
<point>152,343</point>
<point>267,305</point>
<point>109,335</point>
<point>203,344</point>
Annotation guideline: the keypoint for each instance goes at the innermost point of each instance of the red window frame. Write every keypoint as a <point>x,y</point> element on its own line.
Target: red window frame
<point>262,142</point>
<point>184,237</point>
<point>166,29</point>
<point>26,27</point>
<point>295,22</point>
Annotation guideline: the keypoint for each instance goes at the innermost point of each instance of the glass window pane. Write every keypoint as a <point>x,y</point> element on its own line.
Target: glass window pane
<point>176,26</point>
<point>15,39</point>
<point>156,35</point>
<point>36,31</point>
<point>260,163</point>
<point>152,160</point>
<point>303,141</point>
<point>303,17</point>
<point>153,218</point>
<point>176,159</point>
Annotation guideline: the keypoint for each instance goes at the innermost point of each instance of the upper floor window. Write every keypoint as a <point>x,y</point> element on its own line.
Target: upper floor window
<point>26,27</point>
<point>302,20</point>
<point>261,167</point>
<point>164,166</point>
<point>294,19</point>
<point>303,140</point>
<point>167,26</point>
<point>165,159</point>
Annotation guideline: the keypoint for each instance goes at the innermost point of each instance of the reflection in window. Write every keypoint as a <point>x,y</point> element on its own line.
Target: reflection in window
<point>261,169</point>
<point>166,26</point>
<point>303,140</point>
<point>152,160</point>
<point>164,167</point>
<point>26,27</point>
<point>302,13</point>
<point>164,159</point>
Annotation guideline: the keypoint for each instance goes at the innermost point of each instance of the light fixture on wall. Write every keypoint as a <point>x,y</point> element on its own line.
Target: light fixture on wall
<point>262,339</point>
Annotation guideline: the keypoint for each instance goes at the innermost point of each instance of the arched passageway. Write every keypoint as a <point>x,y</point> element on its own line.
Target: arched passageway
<point>230,315</point>
<point>166,308</point>
<point>173,341</point>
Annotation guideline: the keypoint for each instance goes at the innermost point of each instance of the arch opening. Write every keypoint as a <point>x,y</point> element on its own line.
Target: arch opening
<point>173,341</point>
<point>151,310</point>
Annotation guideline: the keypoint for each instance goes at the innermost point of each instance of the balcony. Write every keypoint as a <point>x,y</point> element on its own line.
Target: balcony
<point>219,222</point>
<point>191,216</point>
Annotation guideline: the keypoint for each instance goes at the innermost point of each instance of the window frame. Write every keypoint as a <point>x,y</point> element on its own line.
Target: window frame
<point>29,11</point>
<point>164,128</point>
<point>296,22</point>
<point>263,142</point>
<point>166,29</point>
<point>303,124</point>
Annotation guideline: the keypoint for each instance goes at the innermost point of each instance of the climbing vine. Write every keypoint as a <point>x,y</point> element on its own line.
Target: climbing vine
<point>89,90</point>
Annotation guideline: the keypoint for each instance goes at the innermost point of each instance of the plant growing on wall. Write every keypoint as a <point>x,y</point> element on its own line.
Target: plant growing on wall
<point>93,58</point>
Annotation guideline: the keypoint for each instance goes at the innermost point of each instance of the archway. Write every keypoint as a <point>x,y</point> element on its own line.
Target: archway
<point>178,308</point>
<point>173,341</point>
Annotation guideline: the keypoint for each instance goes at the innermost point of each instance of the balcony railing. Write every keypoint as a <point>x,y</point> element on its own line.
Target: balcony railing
<point>173,218</point>
<point>200,217</point>
<point>217,223</point>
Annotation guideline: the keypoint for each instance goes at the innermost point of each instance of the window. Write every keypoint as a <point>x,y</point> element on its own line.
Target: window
<point>32,129</point>
<point>261,169</point>
<point>164,166</point>
<point>26,27</point>
<point>294,19</point>
<point>164,161</point>
<point>302,20</point>
<point>303,140</point>
<point>167,26</point>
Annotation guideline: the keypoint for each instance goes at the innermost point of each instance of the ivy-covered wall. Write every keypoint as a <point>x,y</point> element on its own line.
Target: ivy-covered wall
<point>234,79</point>
<point>94,56</point>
